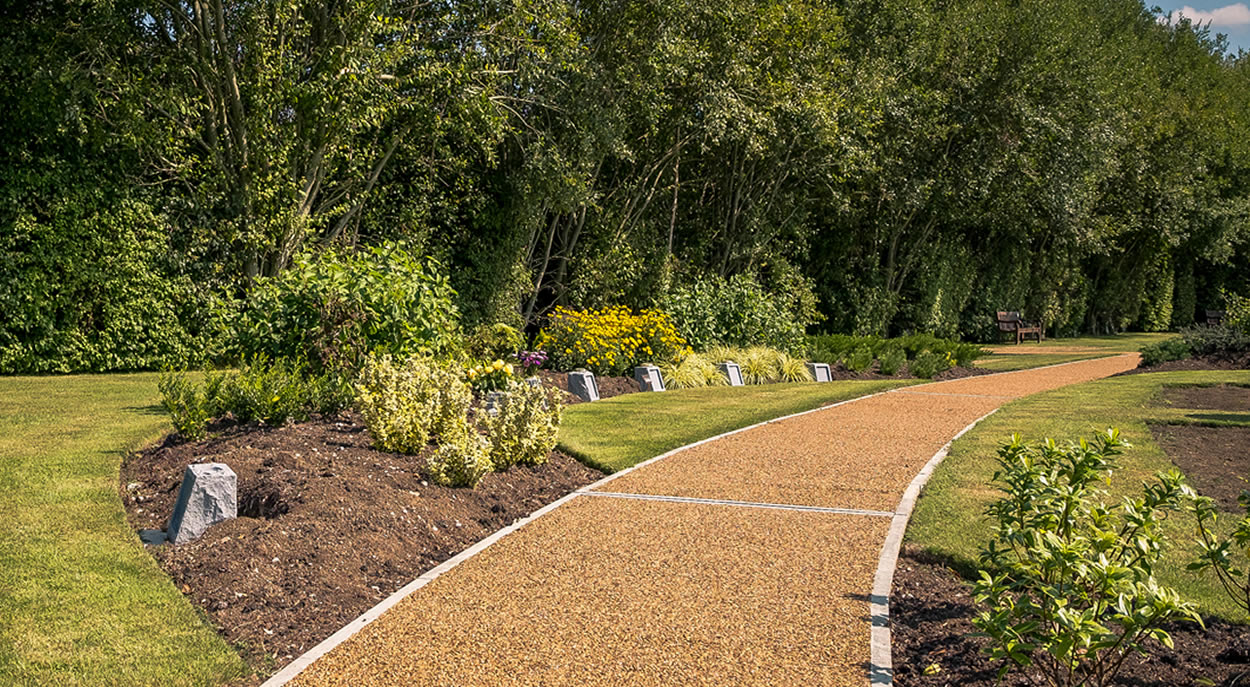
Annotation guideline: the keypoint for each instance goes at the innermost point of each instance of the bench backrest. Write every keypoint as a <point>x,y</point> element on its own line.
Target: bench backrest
<point>1008,320</point>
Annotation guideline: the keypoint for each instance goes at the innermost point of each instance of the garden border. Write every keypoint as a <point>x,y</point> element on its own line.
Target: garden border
<point>294,668</point>
<point>880,665</point>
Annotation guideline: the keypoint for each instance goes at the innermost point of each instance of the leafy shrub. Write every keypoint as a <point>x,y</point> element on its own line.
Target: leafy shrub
<point>1204,340</point>
<point>739,311</point>
<point>610,341</point>
<point>1237,312</point>
<point>186,403</point>
<point>892,360</point>
<point>1217,553</point>
<point>335,309</point>
<point>490,377</point>
<point>1164,351</point>
<point>1067,583</point>
<point>928,364</point>
<point>860,358</point>
<point>836,348</point>
<point>271,391</point>
<point>461,460</point>
<point>494,341</point>
<point>526,428</point>
<point>398,402</point>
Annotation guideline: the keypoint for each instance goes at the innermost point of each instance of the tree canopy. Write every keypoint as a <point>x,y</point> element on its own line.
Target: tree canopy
<point>903,165</point>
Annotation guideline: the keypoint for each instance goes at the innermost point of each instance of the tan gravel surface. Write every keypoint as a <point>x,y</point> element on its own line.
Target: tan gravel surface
<point>608,591</point>
<point>620,591</point>
<point>858,455</point>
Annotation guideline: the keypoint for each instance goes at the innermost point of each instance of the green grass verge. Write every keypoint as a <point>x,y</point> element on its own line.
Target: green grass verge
<point>1009,363</point>
<point>616,433</point>
<point>1112,343</point>
<point>949,521</point>
<point>81,603</point>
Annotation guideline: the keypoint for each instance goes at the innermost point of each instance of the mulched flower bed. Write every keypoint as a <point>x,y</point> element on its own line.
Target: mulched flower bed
<point>328,526</point>
<point>1235,362</point>
<point>1215,460</point>
<point>930,620</point>
<point>1218,397</point>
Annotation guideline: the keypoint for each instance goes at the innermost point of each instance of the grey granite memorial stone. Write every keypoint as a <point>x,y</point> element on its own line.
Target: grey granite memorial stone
<point>582,384</point>
<point>534,382</point>
<point>209,494</point>
<point>649,378</point>
<point>820,372</point>
<point>731,370</point>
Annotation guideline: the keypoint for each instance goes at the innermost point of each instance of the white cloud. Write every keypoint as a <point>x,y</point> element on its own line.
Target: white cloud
<point>1229,15</point>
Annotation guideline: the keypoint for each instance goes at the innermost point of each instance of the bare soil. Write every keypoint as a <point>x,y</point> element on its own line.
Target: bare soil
<point>1220,397</point>
<point>1231,362</point>
<point>328,526</point>
<point>930,617</point>
<point>1216,460</point>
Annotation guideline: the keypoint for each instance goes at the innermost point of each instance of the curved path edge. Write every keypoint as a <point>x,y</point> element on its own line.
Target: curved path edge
<point>294,668</point>
<point>881,668</point>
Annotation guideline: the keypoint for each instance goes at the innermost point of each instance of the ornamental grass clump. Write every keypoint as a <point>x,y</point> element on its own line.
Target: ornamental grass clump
<point>526,427</point>
<point>1067,588</point>
<point>792,369</point>
<point>759,365</point>
<point>694,370</point>
<point>610,341</point>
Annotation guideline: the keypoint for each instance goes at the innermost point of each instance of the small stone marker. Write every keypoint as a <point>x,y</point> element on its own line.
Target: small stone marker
<point>582,384</point>
<point>649,378</point>
<point>495,401</point>
<point>534,382</point>
<point>209,494</point>
<point>820,372</point>
<point>731,370</point>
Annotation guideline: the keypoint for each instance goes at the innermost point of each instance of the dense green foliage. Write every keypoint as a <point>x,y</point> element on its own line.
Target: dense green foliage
<point>1225,556</point>
<point>335,309</point>
<point>1067,583</point>
<point>878,166</point>
<point>1165,351</point>
<point>928,354</point>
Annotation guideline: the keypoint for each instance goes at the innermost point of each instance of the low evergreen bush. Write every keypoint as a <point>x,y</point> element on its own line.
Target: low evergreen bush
<point>1164,351</point>
<point>526,428</point>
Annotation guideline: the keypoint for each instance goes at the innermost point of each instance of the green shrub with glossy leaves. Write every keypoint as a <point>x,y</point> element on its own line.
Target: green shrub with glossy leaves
<point>927,364</point>
<point>1066,587</point>
<point>892,360</point>
<point>860,358</point>
<point>338,307</point>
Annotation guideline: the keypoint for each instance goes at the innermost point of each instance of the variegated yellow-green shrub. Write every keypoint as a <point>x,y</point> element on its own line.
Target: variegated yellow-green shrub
<point>526,428</point>
<point>406,403</point>
<point>462,459</point>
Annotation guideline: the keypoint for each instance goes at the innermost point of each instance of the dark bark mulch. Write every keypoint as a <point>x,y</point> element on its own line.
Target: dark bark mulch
<point>1215,460</point>
<point>1231,362</point>
<point>930,619</point>
<point>1219,397</point>
<point>328,526</point>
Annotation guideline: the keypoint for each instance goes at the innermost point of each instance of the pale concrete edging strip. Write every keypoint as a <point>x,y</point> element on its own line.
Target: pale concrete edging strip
<point>344,633</point>
<point>881,670</point>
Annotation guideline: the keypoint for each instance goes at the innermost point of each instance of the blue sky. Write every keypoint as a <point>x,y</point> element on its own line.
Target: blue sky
<point>1229,17</point>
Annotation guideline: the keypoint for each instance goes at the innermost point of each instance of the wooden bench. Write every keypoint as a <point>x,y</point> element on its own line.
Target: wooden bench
<point>1010,322</point>
<point>1215,318</point>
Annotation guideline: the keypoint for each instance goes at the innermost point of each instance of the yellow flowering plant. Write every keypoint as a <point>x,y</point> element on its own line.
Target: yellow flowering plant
<point>489,376</point>
<point>611,340</point>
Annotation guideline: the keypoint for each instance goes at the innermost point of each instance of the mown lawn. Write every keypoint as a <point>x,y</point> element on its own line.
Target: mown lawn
<point>1008,357</point>
<point>949,520</point>
<point>616,433</point>
<point>81,603</point>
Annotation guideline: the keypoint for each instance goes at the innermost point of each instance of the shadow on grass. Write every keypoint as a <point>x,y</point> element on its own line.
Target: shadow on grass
<point>154,409</point>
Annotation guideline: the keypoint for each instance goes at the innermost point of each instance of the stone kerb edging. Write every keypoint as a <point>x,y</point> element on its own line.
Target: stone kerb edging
<point>880,612</point>
<point>344,633</point>
<point>881,669</point>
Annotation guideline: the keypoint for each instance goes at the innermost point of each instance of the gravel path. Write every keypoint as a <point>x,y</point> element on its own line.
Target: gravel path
<point>618,590</point>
